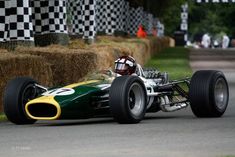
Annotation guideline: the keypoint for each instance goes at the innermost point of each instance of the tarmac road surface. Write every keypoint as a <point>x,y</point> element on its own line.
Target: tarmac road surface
<point>177,134</point>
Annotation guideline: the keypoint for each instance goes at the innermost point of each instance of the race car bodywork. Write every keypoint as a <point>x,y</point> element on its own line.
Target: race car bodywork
<point>125,98</point>
<point>79,100</point>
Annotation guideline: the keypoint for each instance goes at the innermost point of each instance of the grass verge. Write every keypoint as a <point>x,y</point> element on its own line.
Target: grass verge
<point>3,117</point>
<point>174,61</point>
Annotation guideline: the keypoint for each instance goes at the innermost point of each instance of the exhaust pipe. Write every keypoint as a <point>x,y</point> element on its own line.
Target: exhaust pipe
<point>166,105</point>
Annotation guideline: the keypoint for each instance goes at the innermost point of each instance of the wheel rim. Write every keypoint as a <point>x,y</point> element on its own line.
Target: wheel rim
<point>136,99</point>
<point>221,94</point>
<point>29,93</point>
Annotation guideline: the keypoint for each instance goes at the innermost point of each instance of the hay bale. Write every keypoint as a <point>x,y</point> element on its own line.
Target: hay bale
<point>108,39</point>
<point>68,65</point>
<point>108,48</point>
<point>12,65</point>
<point>77,44</point>
<point>141,49</point>
<point>108,52</point>
<point>106,55</point>
<point>3,51</point>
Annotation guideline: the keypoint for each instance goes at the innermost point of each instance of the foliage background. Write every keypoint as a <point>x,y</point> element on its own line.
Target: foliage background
<point>214,18</point>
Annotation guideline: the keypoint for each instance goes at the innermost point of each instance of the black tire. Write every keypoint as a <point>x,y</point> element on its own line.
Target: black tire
<point>208,93</point>
<point>128,99</point>
<point>17,93</point>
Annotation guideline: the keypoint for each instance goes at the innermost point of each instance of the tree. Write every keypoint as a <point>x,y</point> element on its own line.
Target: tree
<point>212,18</point>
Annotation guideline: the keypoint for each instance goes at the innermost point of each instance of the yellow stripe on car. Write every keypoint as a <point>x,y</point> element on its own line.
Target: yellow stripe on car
<point>46,100</point>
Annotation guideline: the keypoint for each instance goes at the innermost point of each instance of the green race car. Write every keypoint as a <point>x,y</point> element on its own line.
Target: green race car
<point>126,95</point>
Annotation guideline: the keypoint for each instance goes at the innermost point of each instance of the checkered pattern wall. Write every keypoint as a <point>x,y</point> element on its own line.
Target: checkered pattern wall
<point>101,17</point>
<point>89,14</point>
<point>109,23</point>
<point>21,19</point>
<point>37,10</point>
<point>110,15</point>
<point>150,23</point>
<point>118,15</point>
<point>126,18</point>
<point>75,7</point>
<point>49,16</point>
<point>145,21</point>
<point>83,14</point>
<point>4,20</point>
<point>16,20</point>
<point>136,16</point>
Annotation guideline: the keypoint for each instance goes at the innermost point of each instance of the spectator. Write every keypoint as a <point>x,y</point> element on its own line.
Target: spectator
<point>206,40</point>
<point>141,32</point>
<point>225,41</point>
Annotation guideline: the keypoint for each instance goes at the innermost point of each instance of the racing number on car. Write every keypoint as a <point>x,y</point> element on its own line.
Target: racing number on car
<point>59,92</point>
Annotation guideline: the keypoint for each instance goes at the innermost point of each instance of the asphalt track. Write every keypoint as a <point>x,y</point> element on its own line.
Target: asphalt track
<point>177,134</point>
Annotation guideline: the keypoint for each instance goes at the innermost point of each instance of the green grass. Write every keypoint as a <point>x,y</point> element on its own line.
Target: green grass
<point>175,61</point>
<point>2,117</point>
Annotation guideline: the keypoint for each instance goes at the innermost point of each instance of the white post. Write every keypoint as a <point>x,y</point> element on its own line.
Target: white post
<point>136,16</point>
<point>110,16</point>
<point>117,15</point>
<point>20,21</point>
<point>89,14</point>
<point>50,22</point>
<point>184,21</point>
<point>75,6</point>
<point>4,19</point>
<point>145,21</point>
<point>57,17</point>
<point>150,24</point>
<point>126,16</point>
<point>101,16</point>
<point>109,23</point>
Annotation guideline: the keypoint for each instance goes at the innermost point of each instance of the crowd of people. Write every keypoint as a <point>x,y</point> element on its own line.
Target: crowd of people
<point>212,42</point>
<point>207,42</point>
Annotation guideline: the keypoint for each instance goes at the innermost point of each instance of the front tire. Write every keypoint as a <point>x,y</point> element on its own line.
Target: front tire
<point>17,93</point>
<point>208,93</point>
<point>128,99</point>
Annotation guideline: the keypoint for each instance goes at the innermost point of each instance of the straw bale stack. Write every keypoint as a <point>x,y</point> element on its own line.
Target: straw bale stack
<point>12,65</point>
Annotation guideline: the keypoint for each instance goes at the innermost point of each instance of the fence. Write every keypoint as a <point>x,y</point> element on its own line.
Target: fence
<point>46,21</point>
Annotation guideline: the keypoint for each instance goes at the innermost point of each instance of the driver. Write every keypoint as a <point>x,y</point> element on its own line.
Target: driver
<point>125,65</point>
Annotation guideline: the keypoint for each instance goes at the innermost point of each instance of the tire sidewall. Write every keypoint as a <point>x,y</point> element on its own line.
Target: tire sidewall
<point>13,100</point>
<point>202,93</point>
<point>119,99</point>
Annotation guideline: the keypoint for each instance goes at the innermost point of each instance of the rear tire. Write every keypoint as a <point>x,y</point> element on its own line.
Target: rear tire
<point>208,93</point>
<point>128,99</point>
<point>17,93</point>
